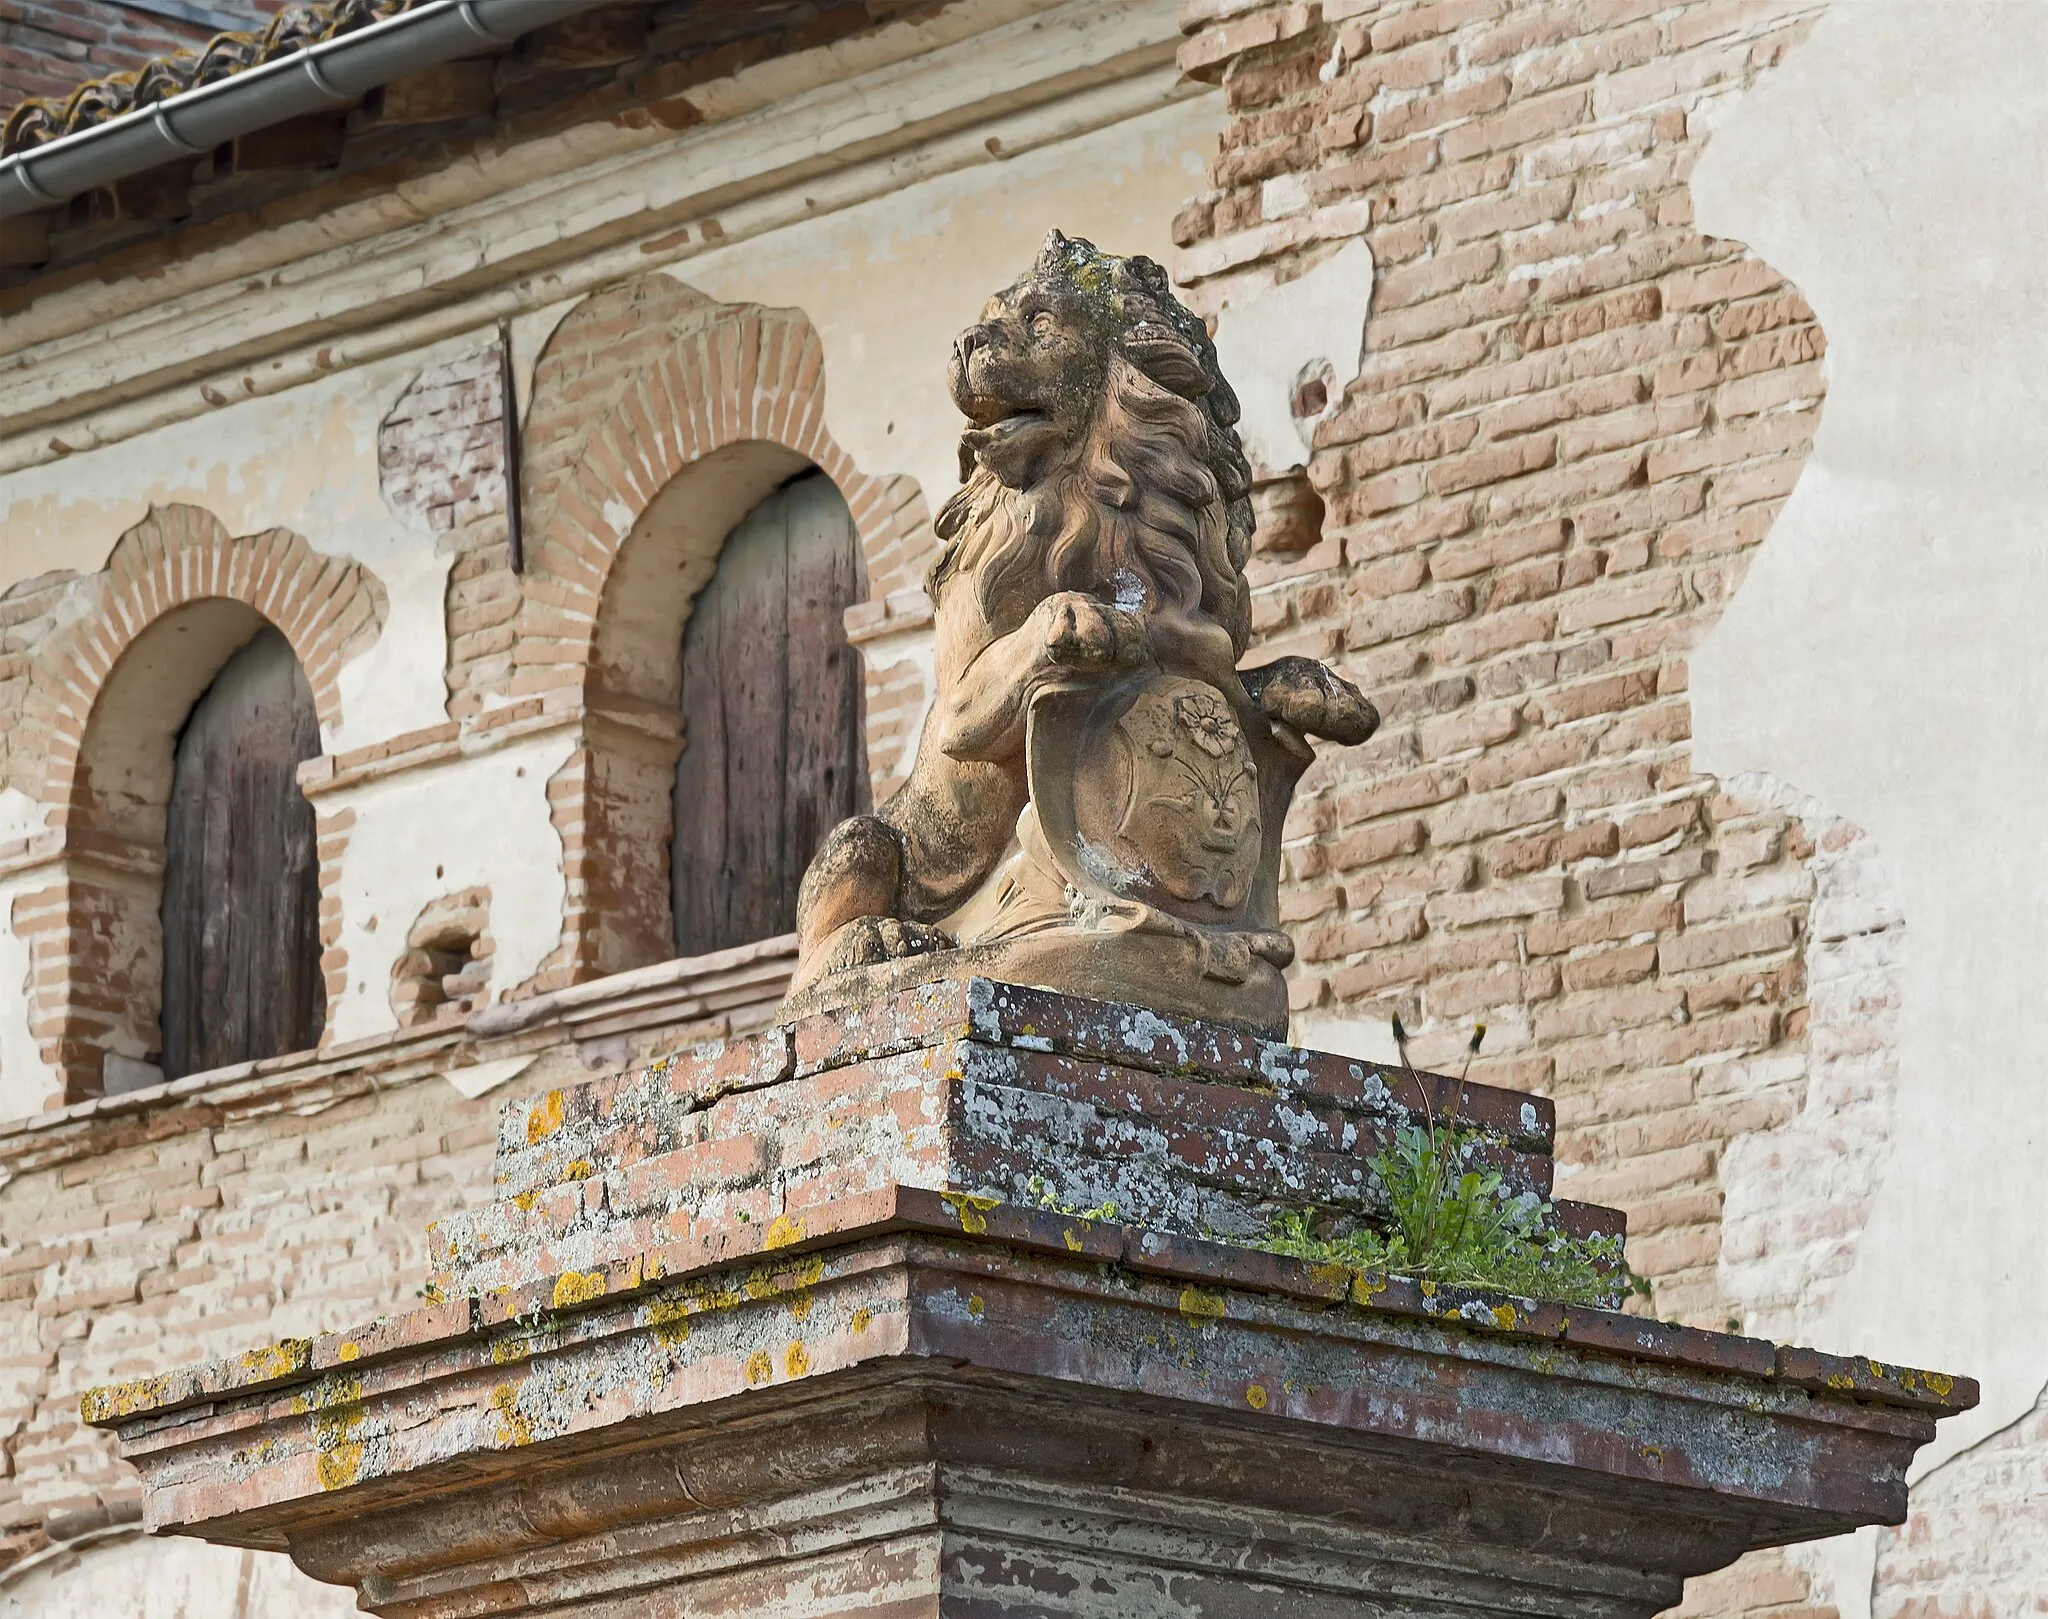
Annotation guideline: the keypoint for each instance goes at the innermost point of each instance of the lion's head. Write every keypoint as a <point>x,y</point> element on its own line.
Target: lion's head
<point>1102,455</point>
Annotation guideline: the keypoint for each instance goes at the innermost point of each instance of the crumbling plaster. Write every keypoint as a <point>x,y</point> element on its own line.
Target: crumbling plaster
<point>481,822</point>
<point>307,461</point>
<point>1884,654</point>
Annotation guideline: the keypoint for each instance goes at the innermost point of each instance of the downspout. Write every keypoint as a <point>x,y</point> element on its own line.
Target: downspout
<point>320,78</point>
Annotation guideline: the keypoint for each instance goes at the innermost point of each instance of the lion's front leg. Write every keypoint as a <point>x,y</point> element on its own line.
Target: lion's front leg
<point>1068,633</point>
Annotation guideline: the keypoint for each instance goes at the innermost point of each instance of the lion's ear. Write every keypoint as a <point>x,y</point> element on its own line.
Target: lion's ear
<point>1168,362</point>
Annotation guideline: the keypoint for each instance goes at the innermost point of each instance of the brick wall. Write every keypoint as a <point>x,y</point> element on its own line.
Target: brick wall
<point>1576,420</point>
<point>171,1243</point>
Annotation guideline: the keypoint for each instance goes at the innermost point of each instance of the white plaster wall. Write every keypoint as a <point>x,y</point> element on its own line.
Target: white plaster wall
<point>474,822</point>
<point>1885,654</point>
<point>26,1081</point>
<point>1271,338</point>
<point>306,461</point>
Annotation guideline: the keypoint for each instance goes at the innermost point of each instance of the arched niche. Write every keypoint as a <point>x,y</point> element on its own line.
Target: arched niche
<point>109,698</point>
<point>193,867</point>
<point>659,419</point>
<point>641,784</point>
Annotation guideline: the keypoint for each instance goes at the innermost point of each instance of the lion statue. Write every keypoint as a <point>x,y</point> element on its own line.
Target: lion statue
<point>1098,792</point>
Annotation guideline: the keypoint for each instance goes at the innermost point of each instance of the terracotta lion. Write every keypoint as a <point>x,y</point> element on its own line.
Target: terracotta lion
<point>1099,536</point>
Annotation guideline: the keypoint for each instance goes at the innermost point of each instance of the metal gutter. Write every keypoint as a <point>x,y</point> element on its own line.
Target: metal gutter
<point>322,77</point>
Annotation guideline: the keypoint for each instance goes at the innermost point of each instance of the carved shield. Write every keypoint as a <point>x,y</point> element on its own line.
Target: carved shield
<point>1155,791</point>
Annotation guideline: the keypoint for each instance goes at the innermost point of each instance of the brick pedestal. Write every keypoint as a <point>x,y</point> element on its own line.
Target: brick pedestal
<point>770,1330</point>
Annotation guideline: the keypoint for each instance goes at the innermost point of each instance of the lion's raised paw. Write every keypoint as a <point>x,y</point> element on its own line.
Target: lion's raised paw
<point>1082,632</point>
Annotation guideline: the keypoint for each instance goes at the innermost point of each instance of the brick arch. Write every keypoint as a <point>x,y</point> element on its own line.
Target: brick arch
<point>638,384</point>
<point>328,607</point>
<point>106,695</point>
<point>659,417</point>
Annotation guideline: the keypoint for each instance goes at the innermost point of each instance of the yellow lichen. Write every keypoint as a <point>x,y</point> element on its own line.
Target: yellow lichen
<point>122,1399</point>
<point>783,1232</point>
<point>515,1427</point>
<point>975,1305</point>
<point>863,1318</point>
<point>1199,1306</point>
<point>509,1351</point>
<point>760,1369</point>
<point>579,1169</point>
<point>1504,1317</point>
<point>670,1320</point>
<point>1255,1397</point>
<point>346,1351</point>
<point>970,1211</point>
<point>574,1287</point>
<point>545,1119</point>
<point>280,1359</point>
<point>1075,1241</point>
<point>796,1360</point>
<point>337,1405</point>
<point>765,1283</point>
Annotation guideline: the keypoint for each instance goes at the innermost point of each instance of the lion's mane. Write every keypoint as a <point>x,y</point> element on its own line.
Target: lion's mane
<point>1154,510</point>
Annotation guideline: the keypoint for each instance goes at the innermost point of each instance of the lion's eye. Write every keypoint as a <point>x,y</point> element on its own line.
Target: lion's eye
<point>1043,324</point>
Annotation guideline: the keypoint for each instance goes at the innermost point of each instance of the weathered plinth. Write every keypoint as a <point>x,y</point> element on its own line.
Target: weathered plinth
<point>751,1333</point>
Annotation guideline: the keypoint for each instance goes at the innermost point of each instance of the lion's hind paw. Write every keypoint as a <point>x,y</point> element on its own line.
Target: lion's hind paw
<point>868,941</point>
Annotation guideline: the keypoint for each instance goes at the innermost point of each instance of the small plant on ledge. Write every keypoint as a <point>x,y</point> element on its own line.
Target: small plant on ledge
<point>1449,1223</point>
<point>1459,1226</point>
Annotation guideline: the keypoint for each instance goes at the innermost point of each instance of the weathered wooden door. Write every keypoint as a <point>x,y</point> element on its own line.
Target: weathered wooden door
<point>773,750</point>
<point>241,880</point>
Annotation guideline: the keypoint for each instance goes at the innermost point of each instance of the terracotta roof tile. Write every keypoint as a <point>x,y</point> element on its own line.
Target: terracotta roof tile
<point>44,118</point>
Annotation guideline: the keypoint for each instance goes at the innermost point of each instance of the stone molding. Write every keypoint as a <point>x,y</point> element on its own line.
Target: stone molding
<point>990,1401</point>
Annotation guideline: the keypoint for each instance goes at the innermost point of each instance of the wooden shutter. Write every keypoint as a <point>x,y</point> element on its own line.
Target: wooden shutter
<point>774,754</point>
<point>241,908</point>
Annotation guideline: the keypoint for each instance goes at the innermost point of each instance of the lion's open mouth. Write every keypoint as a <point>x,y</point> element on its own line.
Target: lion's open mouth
<point>1007,444</point>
